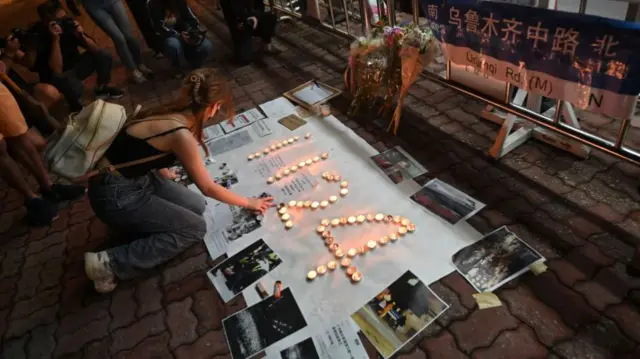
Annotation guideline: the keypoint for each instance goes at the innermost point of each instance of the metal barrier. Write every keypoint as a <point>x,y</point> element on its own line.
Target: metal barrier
<point>553,124</point>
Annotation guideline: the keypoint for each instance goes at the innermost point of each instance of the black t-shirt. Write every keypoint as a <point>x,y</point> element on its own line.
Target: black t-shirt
<point>69,44</point>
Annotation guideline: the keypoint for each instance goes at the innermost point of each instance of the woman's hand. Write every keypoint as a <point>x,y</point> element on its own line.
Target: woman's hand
<point>168,173</point>
<point>260,204</point>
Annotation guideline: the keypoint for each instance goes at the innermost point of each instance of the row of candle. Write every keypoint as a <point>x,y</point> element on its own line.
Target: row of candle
<point>293,169</point>
<point>277,146</point>
<point>405,226</point>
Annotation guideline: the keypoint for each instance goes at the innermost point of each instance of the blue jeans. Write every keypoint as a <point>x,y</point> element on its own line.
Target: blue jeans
<point>177,52</point>
<point>114,21</point>
<point>162,217</point>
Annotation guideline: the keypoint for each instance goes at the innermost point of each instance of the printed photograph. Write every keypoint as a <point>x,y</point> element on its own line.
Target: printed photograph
<point>252,330</point>
<point>398,165</point>
<point>398,313</point>
<point>303,350</point>
<point>243,269</point>
<point>494,260</point>
<point>243,221</point>
<point>446,201</point>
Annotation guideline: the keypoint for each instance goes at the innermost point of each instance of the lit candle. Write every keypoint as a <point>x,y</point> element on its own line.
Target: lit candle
<point>284,143</point>
<point>300,204</point>
<point>325,222</point>
<point>257,154</point>
<point>308,162</point>
<point>344,192</point>
<point>251,157</point>
<point>402,231</point>
<point>321,229</point>
<point>405,222</point>
<point>285,217</point>
<point>332,265</point>
<point>344,184</point>
<point>351,220</point>
<point>270,180</point>
<point>338,253</point>
<point>333,199</point>
<point>294,168</point>
<point>326,234</point>
<point>329,241</point>
<point>330,178</point>
<point>343,220</point>
<point>411,227</point>
<point>351,270</point>
<point>288,225</point>
<point>337,177</point>
<point>356,277</point>
<point>279,145</point>
<point>315,205</point>
<point>278,176</point>
<point>282,210</point>
<point>316,159</point>
<point>379,217</point>
<point>370,217</point>
<point>372,244</point>
<point>363,250</point>
<point>295,138</point>
<point>312,275</point>
<point>335,222</point>
<point>325,175</point>
<point>274,147</point>
<point>307,204</point>
<point>286,172</point>
<point>292,203</point>
<point>324,156</point>
<point>345,262</point>
<point>333,247</point>
<point>266,151</point>
<point>393,237</point>
<point>352,252</point>
<point>307,136</point>
<point>384,240</point>
<point>324,204</point>
<point>301,164</point>
<point>397,219</point>
<point>361,218</point>
<point>321,269</point>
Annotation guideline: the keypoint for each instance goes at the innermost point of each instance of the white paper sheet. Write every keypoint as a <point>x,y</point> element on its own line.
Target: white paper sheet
<point>212,132</point>
<point>242,120</point>
<point>312,94</point>
<point>228,143</point>
<point>261,128</point>
<point>278,108</point>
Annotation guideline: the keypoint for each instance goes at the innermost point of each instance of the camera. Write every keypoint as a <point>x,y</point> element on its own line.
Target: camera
<point>195,36</point>
<point>68,24</point>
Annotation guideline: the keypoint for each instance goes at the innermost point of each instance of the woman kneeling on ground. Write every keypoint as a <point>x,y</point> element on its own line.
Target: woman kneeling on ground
<point>165,218</point>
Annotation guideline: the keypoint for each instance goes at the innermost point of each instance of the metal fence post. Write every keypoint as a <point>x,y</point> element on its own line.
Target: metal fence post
<point>391,5</point>
<point>364,14</point>
<point>415,6</point>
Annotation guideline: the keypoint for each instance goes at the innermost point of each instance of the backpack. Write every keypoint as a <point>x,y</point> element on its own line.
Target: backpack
<point>86,138</point>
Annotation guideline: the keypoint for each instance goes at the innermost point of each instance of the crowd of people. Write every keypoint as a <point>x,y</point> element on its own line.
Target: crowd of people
<point>161,217</point>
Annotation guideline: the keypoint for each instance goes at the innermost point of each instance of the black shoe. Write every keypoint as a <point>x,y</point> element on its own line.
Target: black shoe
<point>40,212</point>
<point>63,192</point>
<point>108,92</point>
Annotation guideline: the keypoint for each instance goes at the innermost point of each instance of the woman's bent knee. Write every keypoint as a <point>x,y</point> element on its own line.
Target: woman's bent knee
<point>46,93</point>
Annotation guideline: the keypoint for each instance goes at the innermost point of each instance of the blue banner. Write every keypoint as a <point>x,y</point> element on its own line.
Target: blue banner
<point>588,51</point>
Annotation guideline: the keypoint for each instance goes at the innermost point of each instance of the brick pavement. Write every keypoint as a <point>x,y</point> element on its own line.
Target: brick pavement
<point>582,215</point>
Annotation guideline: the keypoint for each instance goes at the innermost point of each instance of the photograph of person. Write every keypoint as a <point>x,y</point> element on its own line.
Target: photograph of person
<point>398,313</point>
<point>494,260</point>
<point>303,350</point>
<point>398,165</point>
<point>243,269</point>
<point>252,330</point>
<point>446,201</point>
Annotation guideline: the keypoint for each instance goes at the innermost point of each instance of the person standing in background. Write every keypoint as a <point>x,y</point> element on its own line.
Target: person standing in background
<point>139,11</point>
<point>111,16</point>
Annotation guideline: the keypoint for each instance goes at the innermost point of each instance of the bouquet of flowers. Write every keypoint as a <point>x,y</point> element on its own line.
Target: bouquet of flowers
<point>386,64</point>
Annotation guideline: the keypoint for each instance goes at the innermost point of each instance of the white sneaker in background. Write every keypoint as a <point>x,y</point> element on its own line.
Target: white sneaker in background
<point>138,77</point>
<point>145,70</point>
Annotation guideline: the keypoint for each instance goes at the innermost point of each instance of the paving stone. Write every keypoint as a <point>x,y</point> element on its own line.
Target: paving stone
<point>185,288</point>
<point>209,310</point>
<point>184,269</point>
<point>519,343</point>
<point>416,353</point>
<point>474,333</point>
<point>153,347</point>
<point>149,296</point>
<point>444,346</point>
<point>546,323</point>
<point>603,193</point>
<point>41,343</point>
<point>73,323</point>
<point>18,327</point>
<point>597,341</point>
<point>616,179</point>
<point>12,263</point>
<point>182,323</point>
<point>128,337</point>
<point>570,305</point>
<point>607,288</point>
<point>49,241</point>
<point>581,172</point>
<point>51,253</point>
<point>567,272</point>
<point>612,247</point>
<point>627,318</point>
<point>123,308</point>
<point>14,349</point>
<point>211,344</point>
<point>50,275</point>
<point>539,176</point>
<point>41,300</point>
<point>28,284</point>
<point>98,349</point>
<point>458,284</point>
<point>456,309</point>
<point>74,342</point>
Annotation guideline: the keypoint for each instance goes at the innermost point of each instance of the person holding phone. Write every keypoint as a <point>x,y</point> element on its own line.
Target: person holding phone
<point>163,218</point>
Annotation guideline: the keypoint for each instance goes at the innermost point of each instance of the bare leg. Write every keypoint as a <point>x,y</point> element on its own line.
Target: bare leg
<point>11,173</point>
<point>27,153</point>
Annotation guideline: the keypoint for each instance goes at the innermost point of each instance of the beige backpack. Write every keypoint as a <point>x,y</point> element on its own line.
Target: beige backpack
<point>88,135</point>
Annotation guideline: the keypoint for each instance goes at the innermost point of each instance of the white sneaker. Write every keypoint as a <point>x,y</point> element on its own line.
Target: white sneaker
<point>145,70</point>
<point>138,77</point>
<point>98,269</point>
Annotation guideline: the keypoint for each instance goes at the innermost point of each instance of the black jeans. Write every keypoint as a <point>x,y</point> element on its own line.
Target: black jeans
<point>162,217</point>
<point>141,15</point>
<point>70,83</point>
<point>243,37</point>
